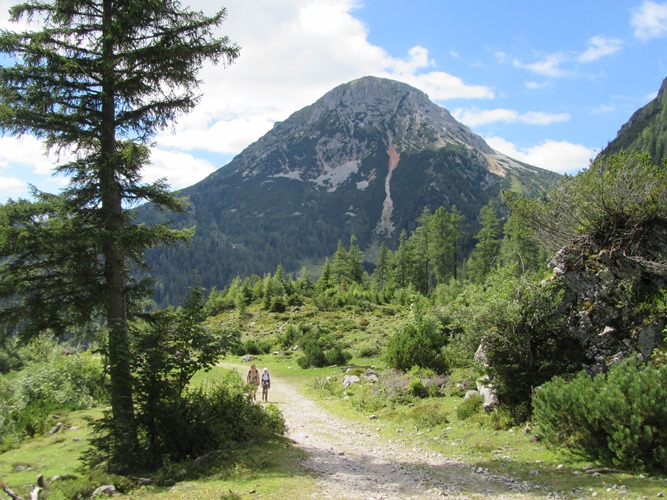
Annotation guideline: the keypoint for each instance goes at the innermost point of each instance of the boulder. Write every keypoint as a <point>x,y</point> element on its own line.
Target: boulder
<point>349,380</point>
<point>486,390</point>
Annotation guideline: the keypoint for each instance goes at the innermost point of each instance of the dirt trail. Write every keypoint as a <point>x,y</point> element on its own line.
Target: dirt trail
<point>352,461</point>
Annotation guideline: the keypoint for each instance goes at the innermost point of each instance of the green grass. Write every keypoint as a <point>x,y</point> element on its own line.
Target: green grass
<point>274,470</point>
<point>432,424</point>
<point>49,455</point>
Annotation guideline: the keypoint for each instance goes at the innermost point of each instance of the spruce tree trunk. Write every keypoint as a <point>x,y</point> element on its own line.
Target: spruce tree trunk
<point>122,404</point>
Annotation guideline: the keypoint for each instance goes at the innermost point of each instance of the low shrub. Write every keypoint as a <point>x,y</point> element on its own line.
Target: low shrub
<point>469,407</point>
<point>217,418</point>
<point>337,356</point>
<point>428,413</point>
<point>368,351</point>
<point>331,386</point>
<point>418,344</point>
<point>66,384</point>
<point>617,418</point>
<point>369,398</point>
<point>250,347</point>
<point>417,388</point>
<point>321,349</point>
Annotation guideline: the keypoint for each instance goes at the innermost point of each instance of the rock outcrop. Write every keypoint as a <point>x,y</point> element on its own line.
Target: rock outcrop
<point>602,303</point>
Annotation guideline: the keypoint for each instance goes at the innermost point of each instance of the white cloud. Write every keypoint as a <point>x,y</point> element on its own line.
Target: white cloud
<point>26,153</point>
<point>558,156</point>
<point>537,85</point>
<point>476,117</point>
<point>292,53</point>
<point>604,108</point>
<point>12,187</point>
<point>649,20</point>
<point>549,66</point>
<point>180,169</point>
<point>553,65</point>
<point>600,46</point>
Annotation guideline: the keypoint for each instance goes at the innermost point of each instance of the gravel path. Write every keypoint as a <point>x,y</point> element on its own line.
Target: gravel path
<point>352,461</point>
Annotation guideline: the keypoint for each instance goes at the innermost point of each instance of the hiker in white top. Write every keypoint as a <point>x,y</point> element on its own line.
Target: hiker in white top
<point>266,384</point>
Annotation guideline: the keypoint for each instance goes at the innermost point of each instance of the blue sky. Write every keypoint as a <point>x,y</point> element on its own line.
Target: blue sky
<point>546,82</point>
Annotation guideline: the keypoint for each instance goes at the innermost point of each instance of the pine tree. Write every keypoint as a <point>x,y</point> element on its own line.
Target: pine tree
<point>381,273</point>
<point>488,243</point>
<point>421,243</point>
<point>401,264</point>
<point>446,229</point>
<point>326,278</point>
<point>99,78</point>
<point>518,247</point>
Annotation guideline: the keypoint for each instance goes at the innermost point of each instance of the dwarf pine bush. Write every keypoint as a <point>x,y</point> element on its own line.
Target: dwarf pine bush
<point>617,418</point>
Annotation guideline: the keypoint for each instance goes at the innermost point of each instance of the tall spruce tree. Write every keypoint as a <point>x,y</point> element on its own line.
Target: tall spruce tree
<point>488,243</point>
<point>447,229</point>
<point>97,79</point>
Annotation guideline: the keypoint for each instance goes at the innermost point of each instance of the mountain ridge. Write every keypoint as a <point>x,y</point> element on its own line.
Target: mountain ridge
<point>645,131</point>
<point>362,161</point>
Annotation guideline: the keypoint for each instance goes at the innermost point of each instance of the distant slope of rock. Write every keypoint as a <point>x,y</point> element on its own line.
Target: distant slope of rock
<point>364,160</point>
<point>646,130</point>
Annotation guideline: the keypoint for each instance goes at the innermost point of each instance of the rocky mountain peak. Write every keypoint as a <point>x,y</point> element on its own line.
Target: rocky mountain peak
<point>354,121</point>
<point>405,115</point>
<point>364,160</point>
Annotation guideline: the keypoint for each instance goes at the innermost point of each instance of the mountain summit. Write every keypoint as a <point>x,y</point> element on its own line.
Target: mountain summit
<point>362,161</point>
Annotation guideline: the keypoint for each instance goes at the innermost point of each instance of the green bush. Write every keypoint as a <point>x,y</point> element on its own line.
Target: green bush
<point>419,344</point>
<point>321,349</point>
<point>517,322</point>
<point>469,407</point>
<point>313,355</point>
<point>68,383</point>
<point>9,360</point>
<point>368,351</point>
<point>337,356</point>
<point>289,337</point>
<point>417,388</point>
<point>617,418</point>
<point>216,418</point>
<point>250,346</point>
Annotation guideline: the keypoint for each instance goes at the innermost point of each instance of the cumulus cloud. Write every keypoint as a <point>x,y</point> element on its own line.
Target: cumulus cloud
<point>559,156</point>
<point>25,152</point>
<point>179,168</point>
<point>649,20</point>
<point>476,117</point>
<point>12,187</point>
<point>293,52</point>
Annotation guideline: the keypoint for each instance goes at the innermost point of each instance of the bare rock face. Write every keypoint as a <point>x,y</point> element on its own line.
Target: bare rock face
<point>603,290</point>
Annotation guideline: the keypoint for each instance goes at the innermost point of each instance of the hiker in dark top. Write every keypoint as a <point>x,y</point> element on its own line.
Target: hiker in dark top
<point>266,384</point>
<point>252,379</point>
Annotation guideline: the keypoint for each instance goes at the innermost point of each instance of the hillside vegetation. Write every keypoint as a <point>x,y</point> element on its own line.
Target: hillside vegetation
<point>494,333</point>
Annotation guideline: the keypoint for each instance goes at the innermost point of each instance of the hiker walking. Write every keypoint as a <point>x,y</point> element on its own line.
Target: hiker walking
<point>266,384</point>
<point>252,379</point>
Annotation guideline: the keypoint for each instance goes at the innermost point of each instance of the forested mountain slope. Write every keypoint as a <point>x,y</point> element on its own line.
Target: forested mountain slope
<point>646,131</point>
<point>364,160</point>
